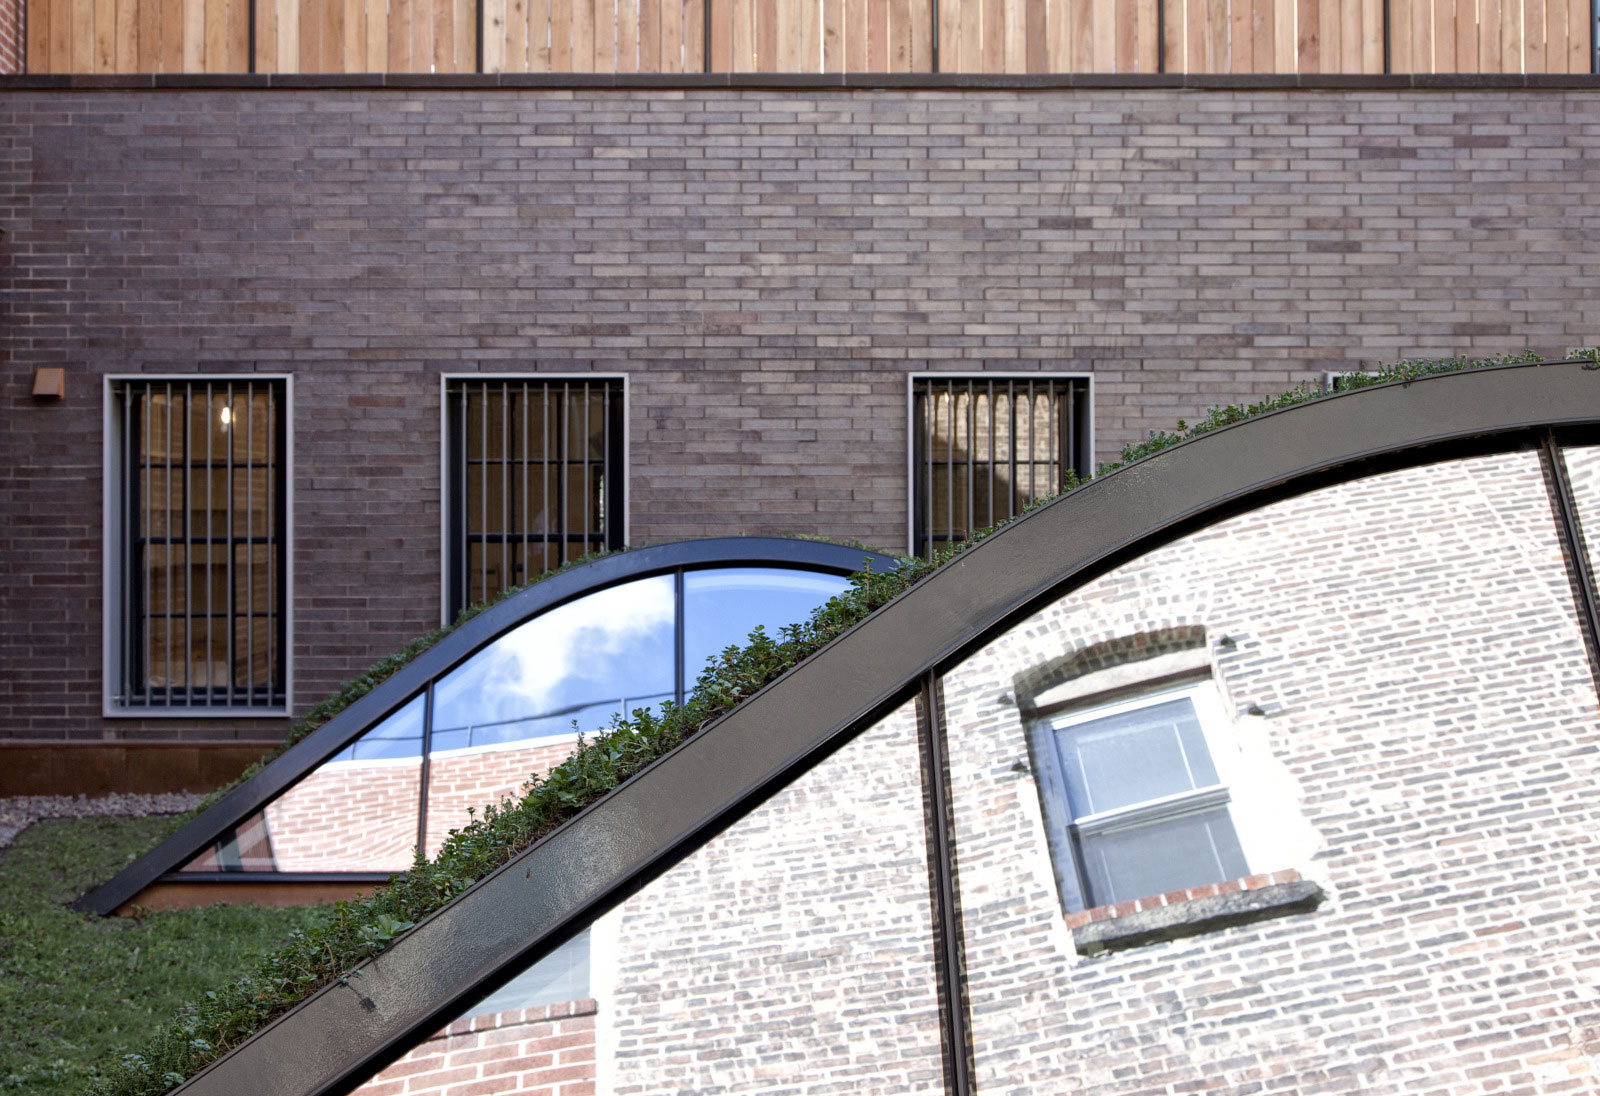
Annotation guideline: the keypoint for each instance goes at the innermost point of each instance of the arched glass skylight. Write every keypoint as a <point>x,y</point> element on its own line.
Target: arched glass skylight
<point>515,708</point>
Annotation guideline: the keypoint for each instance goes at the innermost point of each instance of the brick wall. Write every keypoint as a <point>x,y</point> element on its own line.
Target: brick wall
<point>543,1051</point>
<point>1428,725</point>
<point>765,266</point>
<point>13,27</point>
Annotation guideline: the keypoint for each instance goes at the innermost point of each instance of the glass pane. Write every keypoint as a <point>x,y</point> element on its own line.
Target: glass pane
<point>722,607</point>
<point>1168,855</point>
<point>515,708</point>
<point>357,811</point>
<point>1122,759</point>
<point>791,953</point>
<point>1386,674</point>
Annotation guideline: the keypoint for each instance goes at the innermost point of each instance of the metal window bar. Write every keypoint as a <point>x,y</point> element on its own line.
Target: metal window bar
<point>172,559</point>
<point>500,543</point>
<point>1014,438</point>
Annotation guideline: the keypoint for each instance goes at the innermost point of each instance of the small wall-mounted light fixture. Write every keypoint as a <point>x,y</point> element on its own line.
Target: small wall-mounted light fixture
<point>49,383</point>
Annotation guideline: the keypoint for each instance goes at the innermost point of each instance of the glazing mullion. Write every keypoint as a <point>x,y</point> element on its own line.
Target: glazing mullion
<point>972,517</point>
<point>527,568</point>
<point>210,537</point>
<point>273,486</point>
<point>166,654</point>
<point>186,497</point>
<point>930,412</point>
<point>483,491</point>
<point>1033,447</point>
<point>564,439</point>
<point>227,546</point>
<point>993,424</point>
<point>588,519</point>
<point>249,539</point>
<point>463,576</point>
<point>544,479</point>
<point>505,487</point>
<point>604,515</point>
<point>1011,485</point>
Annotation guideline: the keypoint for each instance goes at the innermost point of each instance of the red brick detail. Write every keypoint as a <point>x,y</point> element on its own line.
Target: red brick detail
<point>545,1051</point>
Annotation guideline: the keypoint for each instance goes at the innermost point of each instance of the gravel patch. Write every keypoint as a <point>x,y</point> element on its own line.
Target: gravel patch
<point>19,813</point>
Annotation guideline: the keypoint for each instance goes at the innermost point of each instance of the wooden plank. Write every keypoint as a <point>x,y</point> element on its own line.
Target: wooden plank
<point>1126,26</point>
<point>1329,36</point>
<point>1013,49</point>
<point>855,35</point>
<point>214,47</point>
<point>1580,30</point>
<point>949,43</point>
<point>1533,36</point>
<point>1103,34</point>
<point>672,35</point>
<point>375,37</point>
<point>125,36</point>
<point>808,36</point>
<point>1148,47</point>
<point>1177,36</point>
<point>1465,50</point>
<point>1263,34</point>
<point>603,24</point>
<point>538,47</point>
<point>1035,37</point>
<point>561,37</point>
<point>331,56</point>
<point>1241,36</point>
<point>80,39</point>
<point>1198,18</point>
<point>1350,45</point>
<point>832,35</point>
<point>1442,37</point>
<point>1308,46</point>
<point>921,31</point>
<point>1217,36</point>
<point>628,36</point>
<point>902,52</point>
<point>1488,36</point>
<point>36,46</point>
<point>239,35</point>
<point>960,52</point>
<point>62,15</point>
<point>194,35</point>
<point>266,58</point>
<point>584,34</point>
<point>787,15</point>
<point>1555,37</point>
<point>496,35</point>
<point>694,36</point>
<point>721,36</point>
<point>649,34</point>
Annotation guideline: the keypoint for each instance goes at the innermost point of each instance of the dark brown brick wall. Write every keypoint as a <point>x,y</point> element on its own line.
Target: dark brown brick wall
<point>765,266</point>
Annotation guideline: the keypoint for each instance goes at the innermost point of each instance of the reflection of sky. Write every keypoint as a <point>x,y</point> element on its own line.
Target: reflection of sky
<point>575,662</point>
<point>722,607</point>
<point>400,735</point>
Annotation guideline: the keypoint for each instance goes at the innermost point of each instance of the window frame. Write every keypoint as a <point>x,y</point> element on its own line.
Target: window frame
<point>1063,827</point>
<point>114,638</point>
<point>981,376</point>
<point>449,551</point>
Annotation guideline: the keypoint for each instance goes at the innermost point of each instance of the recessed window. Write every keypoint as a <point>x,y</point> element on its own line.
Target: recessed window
<point>1137,804</point>
<point>534,479</point>
<point>197,521</point>
<point>983,447</point>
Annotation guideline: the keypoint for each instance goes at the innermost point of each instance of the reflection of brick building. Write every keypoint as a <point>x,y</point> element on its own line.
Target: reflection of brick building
<point>545,1051</point>
<point>1412,719</point>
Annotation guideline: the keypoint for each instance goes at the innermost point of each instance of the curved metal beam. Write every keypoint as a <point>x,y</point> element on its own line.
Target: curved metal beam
<point>337,1038</point>
<point>455,648</point>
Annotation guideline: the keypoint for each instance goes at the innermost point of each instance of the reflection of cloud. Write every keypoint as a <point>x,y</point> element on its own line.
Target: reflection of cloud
<point>600,647</point>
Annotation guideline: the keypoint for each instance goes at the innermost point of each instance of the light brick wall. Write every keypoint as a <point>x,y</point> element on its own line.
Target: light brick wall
<point>793,953</point>
<point>544,1051</point>
<point>765,266</point>
<point>460,779</point>
<point>1412,643</point>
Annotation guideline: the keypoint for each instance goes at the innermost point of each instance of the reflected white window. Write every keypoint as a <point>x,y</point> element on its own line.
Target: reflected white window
<point>1136,804</point>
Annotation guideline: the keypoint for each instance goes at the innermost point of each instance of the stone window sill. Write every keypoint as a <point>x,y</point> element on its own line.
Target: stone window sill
<point>1191,912</point>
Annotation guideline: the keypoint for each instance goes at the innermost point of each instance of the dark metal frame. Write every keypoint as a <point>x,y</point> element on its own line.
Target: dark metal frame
<point>334,1040</point>
<point>162,862</point>
<point>557,441</point>
<point>128,692</point>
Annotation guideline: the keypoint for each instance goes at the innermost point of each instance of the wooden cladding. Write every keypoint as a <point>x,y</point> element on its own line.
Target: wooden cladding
<point>809,36</point>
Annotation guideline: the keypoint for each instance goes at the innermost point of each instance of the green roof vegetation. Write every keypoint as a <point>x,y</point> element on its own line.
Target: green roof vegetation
<point>79,992</point>
<point>326,949</point>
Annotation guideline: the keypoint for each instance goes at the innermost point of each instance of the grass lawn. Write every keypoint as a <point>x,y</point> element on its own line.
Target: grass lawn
<point>77,990</point>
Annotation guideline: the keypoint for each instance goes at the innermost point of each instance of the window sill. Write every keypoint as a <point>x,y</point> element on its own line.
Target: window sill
<point>1193,912</point>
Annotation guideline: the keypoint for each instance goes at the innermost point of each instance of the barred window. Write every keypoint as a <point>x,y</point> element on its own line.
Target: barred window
<point>535,469</point>
<point>984,446</point>
<point>197,502</point>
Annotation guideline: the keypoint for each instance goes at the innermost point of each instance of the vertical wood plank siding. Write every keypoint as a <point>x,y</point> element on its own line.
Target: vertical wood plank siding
<point>808,36</point>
